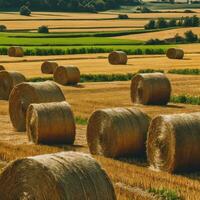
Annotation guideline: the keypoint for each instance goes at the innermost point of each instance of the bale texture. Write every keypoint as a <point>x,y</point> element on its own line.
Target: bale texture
<point>8,80</point>
<point>65,175</point>
<point>48,67</point>
<point>2,68</point>
<point>118,58</point>
<point>25,94</point>
<point>50,123</point>
<point>150,88</point>
<point>173,142</point>
<point>15,52</point>
<point>67,75</point>
<point>117,132</point>
<point>173,53</point>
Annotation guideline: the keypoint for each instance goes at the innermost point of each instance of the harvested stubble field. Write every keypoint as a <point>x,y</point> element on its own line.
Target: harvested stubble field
<point>162,34</point>
<point>98,64</point>
<point>93,96</point>
<point>16,25</point>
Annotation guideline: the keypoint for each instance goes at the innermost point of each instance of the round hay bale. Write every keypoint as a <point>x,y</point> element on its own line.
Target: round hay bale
<point>65,175</point>
<point>48,67</point>
<point>2,68</point>
<point>15,52</point>
<point>50,123</point>
<point>117,132</point>
<point>173,53</point>
<point>25,94</point>
<point>173,142</point>
<point>8,80</point>
<point>150,88</point>
<point>67,75</point>
<point>118,58</point>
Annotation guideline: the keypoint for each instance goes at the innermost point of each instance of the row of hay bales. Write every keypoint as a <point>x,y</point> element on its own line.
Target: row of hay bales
<point>114,58</point>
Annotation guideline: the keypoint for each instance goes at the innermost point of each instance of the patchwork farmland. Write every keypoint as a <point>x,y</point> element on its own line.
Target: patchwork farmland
<point>79,45</point>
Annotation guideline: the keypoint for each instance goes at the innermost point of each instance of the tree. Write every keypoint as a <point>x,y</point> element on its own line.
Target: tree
<point>187,22</point>
<point>190,36</point>
<point>172,23</point>
<point>150,25</point>
<point>123,16</point>
<point>3,28</point>
<point>195,21</point>
<point>43,29</point>
<point>24,10</point>
<point>162,23</point>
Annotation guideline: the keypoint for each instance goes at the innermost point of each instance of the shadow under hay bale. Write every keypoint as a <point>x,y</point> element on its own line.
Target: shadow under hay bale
<point>117,132</point>
<point>67,75</point>
<point>66,175</point>
<point>2,68</point>
<point>15,52</point>
<point>51,123</point>
<point>173,143</point>
<point>173,53</point>
<point>150,89</point>
<point>48,67</point>
<point>8,80</point>
<point>118,58</point>
<point>25,94</point>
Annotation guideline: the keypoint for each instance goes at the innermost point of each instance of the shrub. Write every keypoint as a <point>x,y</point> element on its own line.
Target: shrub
<point>123,16</point>
<point>3,28</point>
<point>43,29</point>
<point>24,10</point>
<point>190,36</point>
<point>162,23</point>
<point>150,70</point>
<point>185,71</point>
<point>150,25</point>
<point>172,23</point>
<point>155,42</point>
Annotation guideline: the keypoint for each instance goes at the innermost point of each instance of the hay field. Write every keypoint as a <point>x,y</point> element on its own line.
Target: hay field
<point>161,34</point>
<point>98,64</point>
<point>15,25</point>
<point>56,15</point>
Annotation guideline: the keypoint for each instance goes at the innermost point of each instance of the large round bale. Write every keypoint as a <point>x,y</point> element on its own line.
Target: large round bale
<point>48,67</point>
<point>15,52</point>
<point>25,94</point>
<point>117,132</point>
<point>2,68</point>
<point>150,88</point>
<point>174,53</point>
<point>118,58</point>
<point>67,75</point>
<point>50,123</point>
<point>173,142</point>
<point>65,175</point>
<point>8,80</point>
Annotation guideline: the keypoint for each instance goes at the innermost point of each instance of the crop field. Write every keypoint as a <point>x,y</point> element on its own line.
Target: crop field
<point>84,40</point>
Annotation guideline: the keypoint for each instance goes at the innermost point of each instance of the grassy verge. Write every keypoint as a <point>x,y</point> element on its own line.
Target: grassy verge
<point>185,71</point>
<point>81,121</point>
<point>186,99</point>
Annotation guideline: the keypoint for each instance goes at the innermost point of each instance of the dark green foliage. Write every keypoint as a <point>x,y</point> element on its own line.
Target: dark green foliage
<point>162,23</point>
<point>150,25</point>
<point>123,16</point>
<point>186,99</point>
<point>155,42</point>
<point>190,37</point>
<point>150,70</point>
<point>172,23</point>
<point>3,28</point>
<point>24,10</point>
<point>43,29</point>
<point>185,71</point>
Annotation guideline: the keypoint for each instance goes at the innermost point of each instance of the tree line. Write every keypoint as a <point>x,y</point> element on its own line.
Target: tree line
<point>66,5</point>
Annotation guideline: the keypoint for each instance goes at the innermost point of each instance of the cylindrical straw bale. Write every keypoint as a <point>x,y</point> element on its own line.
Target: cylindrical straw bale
<point>117,132</point>
<point>65,175</point>
<point>48,67</point>
<point>174,53</point>
<point>173,142</point>
<point>8,80</point>
<point>118,58</point>
<point>2,68</point>
<point>50,123</point>
<point>67,75</point>
<point>25,94</point>
<point>150,88</point>
<point>15,52</point>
